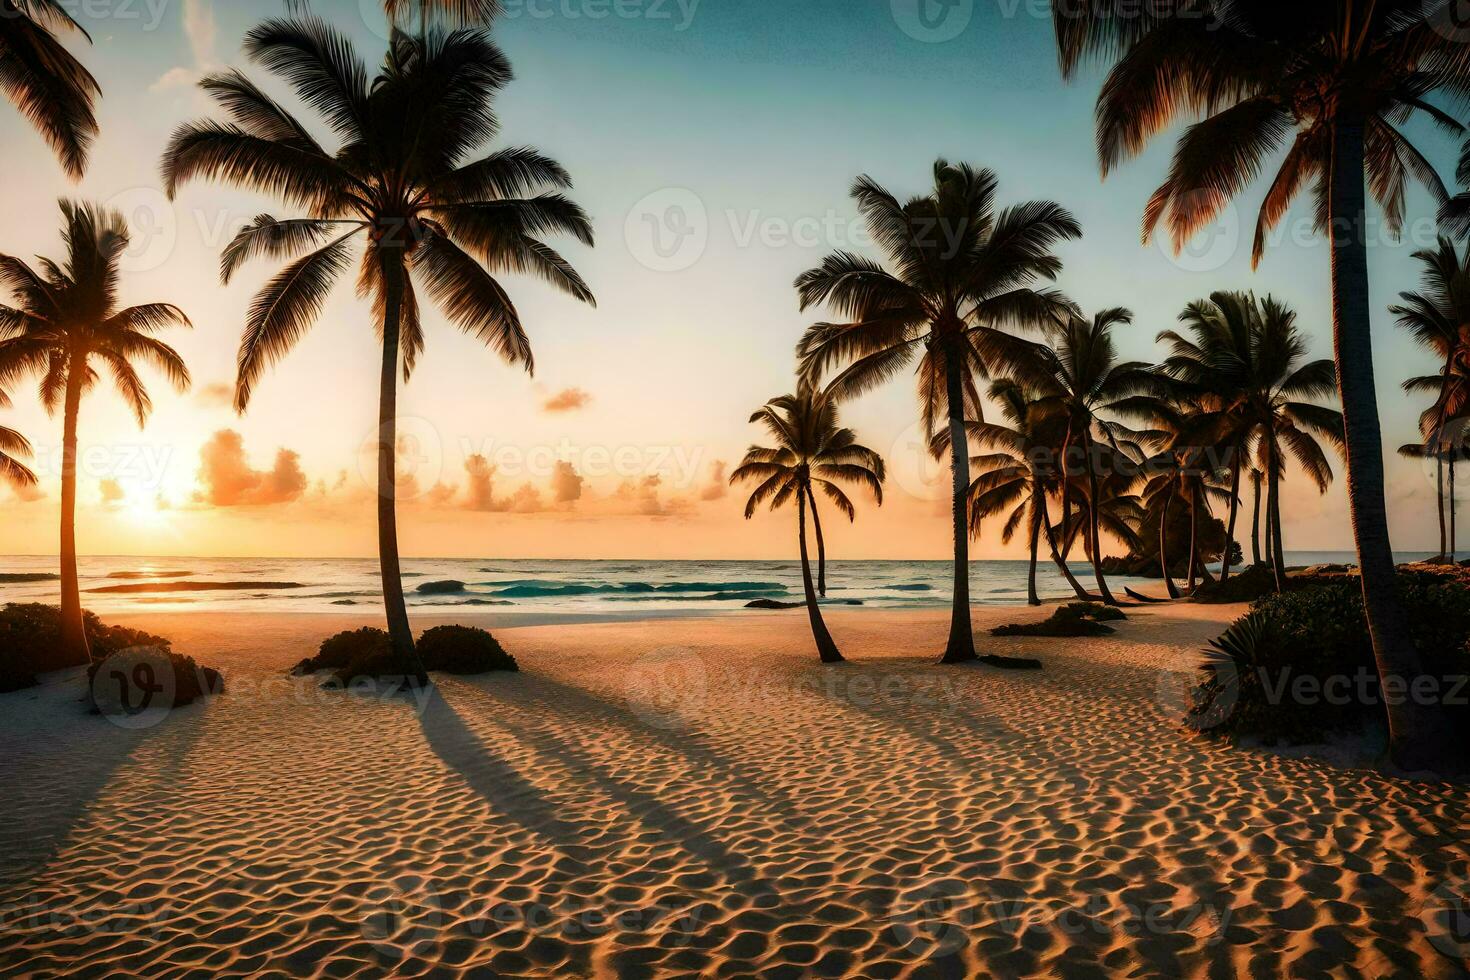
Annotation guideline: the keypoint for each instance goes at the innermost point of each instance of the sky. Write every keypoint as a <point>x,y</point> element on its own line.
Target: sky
<point>714,144</point>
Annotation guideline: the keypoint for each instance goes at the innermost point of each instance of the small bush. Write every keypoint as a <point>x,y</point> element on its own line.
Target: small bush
<point>1071,620</point>
<point>344,649</point>
<point>463,650</point>
<point>1300,666</point>
<point>30,637</point>
<point>1246,586</point>
<point>187,681</point>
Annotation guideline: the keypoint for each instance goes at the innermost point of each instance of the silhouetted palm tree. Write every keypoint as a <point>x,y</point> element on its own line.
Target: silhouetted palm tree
<point>1078,365</point>
<point>811,452</point>
<point>399,180</point>
<point>1243,360</point>
<point>456,13</point>
<point>1342,75</point>
<point>66,320</point>
<point>959,271</point>
<point>44,81</point>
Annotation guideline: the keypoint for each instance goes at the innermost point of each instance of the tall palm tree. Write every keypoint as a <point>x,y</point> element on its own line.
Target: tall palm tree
<point>1244,360</point>
<point>13,448</point>
<point>812,451</point>
<point>404,180</point>
<point>958,272</point>
<point>458,13</point>
<point>65,321</point>
<point>1342,75</point>
<point>1078,365</point>
<point>45,81</point>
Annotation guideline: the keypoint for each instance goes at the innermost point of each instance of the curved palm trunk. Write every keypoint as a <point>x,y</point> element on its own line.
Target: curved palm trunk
<point>1256,519</point>
<point>1273,520</point>
<point>1439,501</point>
<point>1170,588</point>
<point>1193,571</point>
<point>1056,556</point>
<point>1031,597</point>
<point>1230,525</point>
<point>1454,543</point>
<point>826,647</point>
<point>961,645</point>
<point>821,545</point>
<point>1419,734</point>
<point>394,606</point>
<point>74,650</point>
<point>1093,523</point>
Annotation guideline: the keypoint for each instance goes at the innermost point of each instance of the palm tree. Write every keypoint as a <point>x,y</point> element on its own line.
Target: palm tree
<point>1342,76</point>
<point>14,446</point>
<point>459,13</point>
<point>811,452</point>
<point>1078,365</point>
<point>401,180</point>
<point>1244,360</point>
<point>45,81</point>
<point>960,272</point>
<point>66,319</point>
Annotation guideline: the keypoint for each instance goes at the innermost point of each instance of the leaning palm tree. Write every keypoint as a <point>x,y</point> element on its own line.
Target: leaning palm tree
<point>1342,76</point>
<point>13,448</point>
<point>45,81</point>
<point>1244,360</point>
<point>811,452</point>
<point>958,272</point>
<point>65,321</point>
<point>404,180</point>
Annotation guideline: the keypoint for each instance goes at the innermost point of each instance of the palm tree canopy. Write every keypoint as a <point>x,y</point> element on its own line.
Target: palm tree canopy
<point>1252,73</point>
<point>958,270</point>
<point>1437,316</point>
<point>45,81</point>
<point>810,451</point>
<point>66,314</point>
<point>409,175</point>
<point>12,446</point>
<point>460,13</point>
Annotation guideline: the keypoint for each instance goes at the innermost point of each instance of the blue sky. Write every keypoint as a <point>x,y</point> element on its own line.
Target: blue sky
<point>742,121</point>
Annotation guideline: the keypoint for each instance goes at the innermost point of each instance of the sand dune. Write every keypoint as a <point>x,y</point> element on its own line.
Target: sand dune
<point>700,798</point>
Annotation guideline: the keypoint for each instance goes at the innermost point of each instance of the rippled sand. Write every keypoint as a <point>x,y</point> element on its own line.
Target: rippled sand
<point>700,798</point>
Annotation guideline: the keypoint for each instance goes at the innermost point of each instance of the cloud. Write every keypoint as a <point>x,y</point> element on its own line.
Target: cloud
<point>202,31</point>
<point>216,394</point>
<point>566,484</point>
<point>227,479</point>
<point>642,495</point>
<point>718,487</point>
<point>112,492</point>
<point>177,77</point>
<point>566,400</point>
<point>480,488</point>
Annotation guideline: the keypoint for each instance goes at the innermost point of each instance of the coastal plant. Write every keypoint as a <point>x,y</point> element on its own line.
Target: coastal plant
<point>409,183</point>
<point>14,447</point>
<point>811,452</point>
<point>1332,83</point>
<point>45,81</point>
<point>64,327</point>
<point>31,637</point>
<point>957,272</point>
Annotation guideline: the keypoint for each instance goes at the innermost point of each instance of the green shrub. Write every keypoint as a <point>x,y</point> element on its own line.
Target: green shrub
<point>1073,619</point>
<point>30,636</point>
<point>1245,586</point>
<point>463,650</point>
<point>187,681</point>
<point>1300,666</point>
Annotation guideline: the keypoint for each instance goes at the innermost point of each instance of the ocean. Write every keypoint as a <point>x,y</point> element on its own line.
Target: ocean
<point>611,589</point>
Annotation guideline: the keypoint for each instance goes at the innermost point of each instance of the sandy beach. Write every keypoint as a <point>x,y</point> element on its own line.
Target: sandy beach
<point>699,797</point>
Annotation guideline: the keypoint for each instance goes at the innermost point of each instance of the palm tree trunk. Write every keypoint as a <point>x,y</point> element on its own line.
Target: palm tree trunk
<point>74,650</point>
<point>961,645</point>
<point>1191,584</point>
<point>1169,586</point>
<point>1056,556</point>
<point>1419,734</point>
<point>1230,525</point>
<point>1273,519</point>
<point>1093,522</point>
<point>1439,502</point>
<point>1031,597</point>
<point>393,603</point>
<point>1454,542</point>
<point>1256,519</point>
<point>821,545</point>
<point>826,647</point>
